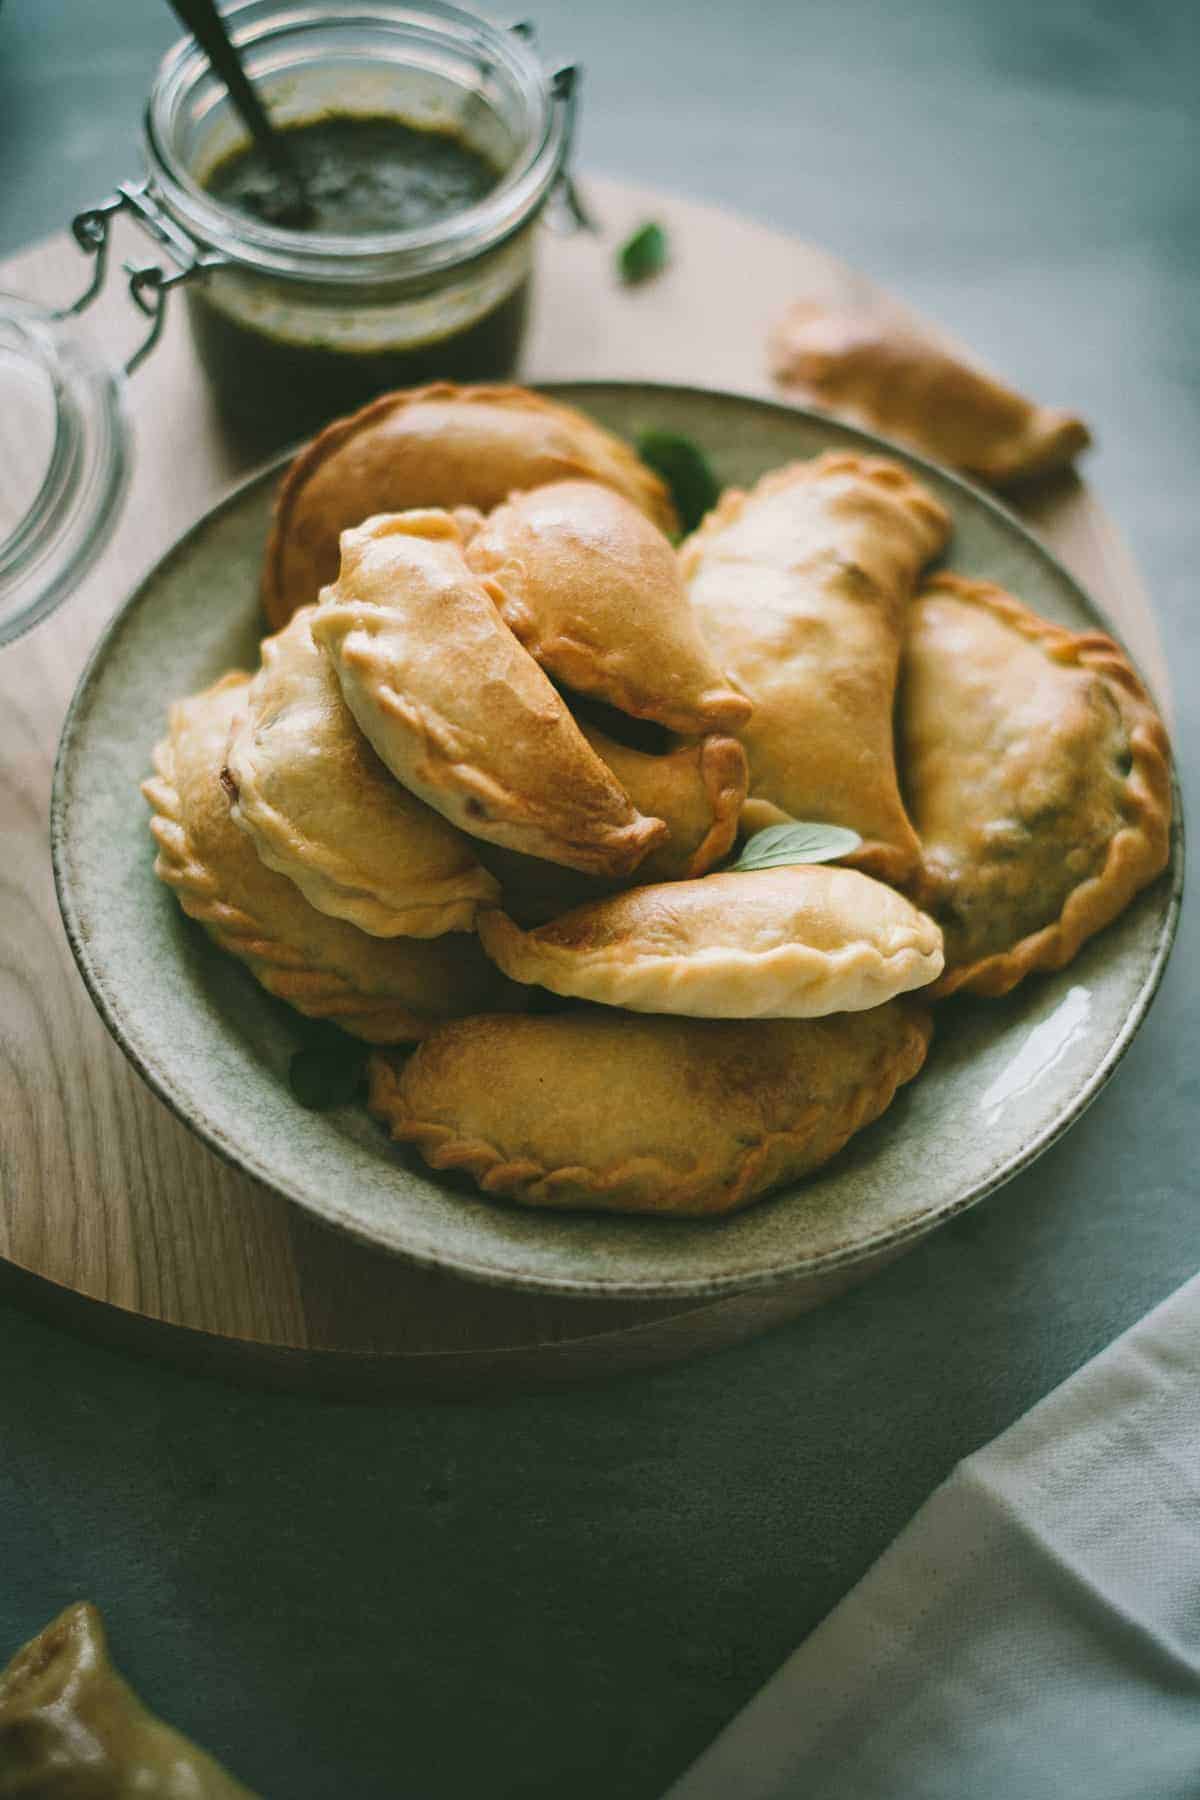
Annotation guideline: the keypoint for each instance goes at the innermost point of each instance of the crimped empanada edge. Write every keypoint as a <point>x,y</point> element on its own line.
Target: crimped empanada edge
<point>615,853</point>
<point>723,770</point>
<point>340,431</point>
<point>346,891</point>
<point>880,470</point>
<point>659,1187</point>
<point>275,966</point>
<point>448,904</point>
<point>789,971</point>
<point>1136,854</point>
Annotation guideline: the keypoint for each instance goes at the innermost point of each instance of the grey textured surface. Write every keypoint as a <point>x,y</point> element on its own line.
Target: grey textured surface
<point>570,1594</point>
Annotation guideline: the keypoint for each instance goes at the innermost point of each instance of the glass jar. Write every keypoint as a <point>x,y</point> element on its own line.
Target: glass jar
<point>64,459</point>
<point>294,327</point>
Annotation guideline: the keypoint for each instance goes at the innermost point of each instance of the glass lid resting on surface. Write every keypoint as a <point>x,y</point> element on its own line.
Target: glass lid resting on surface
<point>64,455</point>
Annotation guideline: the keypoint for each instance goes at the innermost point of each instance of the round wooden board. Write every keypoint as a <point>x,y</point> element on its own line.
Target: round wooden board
<point>111,1213</point>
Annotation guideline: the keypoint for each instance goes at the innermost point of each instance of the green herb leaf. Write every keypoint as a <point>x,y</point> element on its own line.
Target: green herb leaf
<point>804,842</point>
<point>644,254</point>
<point>686,471</point>
<point>328,1077</point>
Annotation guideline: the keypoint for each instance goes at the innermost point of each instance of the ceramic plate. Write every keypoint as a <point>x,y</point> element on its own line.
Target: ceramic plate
<point>1004,1079</point>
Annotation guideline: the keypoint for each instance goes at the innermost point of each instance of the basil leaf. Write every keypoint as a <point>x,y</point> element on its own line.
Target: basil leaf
<point>323,1078</point>
<point>686,471</point>
<point>643,254</point>
<point>779,846</point>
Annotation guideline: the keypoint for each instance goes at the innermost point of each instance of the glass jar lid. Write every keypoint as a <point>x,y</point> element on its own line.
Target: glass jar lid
<point>64,459</point>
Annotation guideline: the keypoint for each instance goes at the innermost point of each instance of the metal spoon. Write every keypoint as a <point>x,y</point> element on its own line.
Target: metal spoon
<point>290,207</point>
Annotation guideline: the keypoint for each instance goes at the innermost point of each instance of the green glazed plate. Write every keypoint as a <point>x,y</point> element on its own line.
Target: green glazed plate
<point>1004,1079</point>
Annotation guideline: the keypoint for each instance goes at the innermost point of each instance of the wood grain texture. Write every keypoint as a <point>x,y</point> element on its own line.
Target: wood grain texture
<point>109,1208</point>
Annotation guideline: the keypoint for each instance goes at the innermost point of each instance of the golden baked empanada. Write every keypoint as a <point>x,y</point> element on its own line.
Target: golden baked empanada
<point>696,789</point>
<point>801,587</point>
<point>787,943</point>
<point>386,990</point>
<point>594,1109</point>
<point>897,381</point>
<point>72,1729</point>
<point>592,588</point>
<point>458,711</point>
<point>441,446</point>
<point>321,808</point>
<point>1037,771</point>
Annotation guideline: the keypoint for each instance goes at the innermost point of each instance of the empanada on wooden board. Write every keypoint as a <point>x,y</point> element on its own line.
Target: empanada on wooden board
<point>458,710</point>
<point>595,1109</point>
<point>440,446</point>
<point>320,807</point>
<point>386,990</point>
<point>592,588</point>
<point>72,1729</point>
<point>697,790</point>
<point>801,587</point>
<point>889,377</point>
<point>795,943</point>
<point>1037,773</point>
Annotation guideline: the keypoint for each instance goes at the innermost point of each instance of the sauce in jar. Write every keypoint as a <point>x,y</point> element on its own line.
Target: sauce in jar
<point>431,141</point>
<point>281,362</point>
<point>358,174</point>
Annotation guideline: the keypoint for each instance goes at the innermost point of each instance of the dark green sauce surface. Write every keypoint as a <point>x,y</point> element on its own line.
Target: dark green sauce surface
<point>360,174</point>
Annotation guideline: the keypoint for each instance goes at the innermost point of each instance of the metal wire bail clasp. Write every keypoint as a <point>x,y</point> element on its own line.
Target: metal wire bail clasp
<point>564,86</point>
<point>149,282</point>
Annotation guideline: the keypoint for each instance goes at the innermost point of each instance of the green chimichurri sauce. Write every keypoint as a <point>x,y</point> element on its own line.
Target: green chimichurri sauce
<point>276,373</point>
<point>359,175</point>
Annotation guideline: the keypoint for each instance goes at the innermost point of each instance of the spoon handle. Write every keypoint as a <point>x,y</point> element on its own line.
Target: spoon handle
<point>206,25</point>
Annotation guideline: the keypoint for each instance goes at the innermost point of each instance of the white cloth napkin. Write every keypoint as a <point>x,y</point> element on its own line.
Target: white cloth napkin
<point>1033,1634</point>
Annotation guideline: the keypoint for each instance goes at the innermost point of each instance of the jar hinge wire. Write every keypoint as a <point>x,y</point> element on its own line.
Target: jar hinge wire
<point>564,86</point>
<point>149,282</point>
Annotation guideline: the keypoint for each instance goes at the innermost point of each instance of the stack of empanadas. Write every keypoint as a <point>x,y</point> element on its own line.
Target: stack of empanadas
<point>479,792</point>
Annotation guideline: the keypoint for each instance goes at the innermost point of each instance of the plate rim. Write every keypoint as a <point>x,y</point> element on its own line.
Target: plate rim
<point>492,1273</point>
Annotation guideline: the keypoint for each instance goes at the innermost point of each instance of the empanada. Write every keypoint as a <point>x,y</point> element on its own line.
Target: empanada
<point>72,1729</point>
<point>1037,772</point>
<point>321,808</point>
<point>440,446</point>
<point>592,588</point>
<point>787,943</point>
<point>801,587</point>
<point>386,990</point>
<point>594,1109</point>
<point>696,789</point>
<point>896,381</point>
<point>458,710</point>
